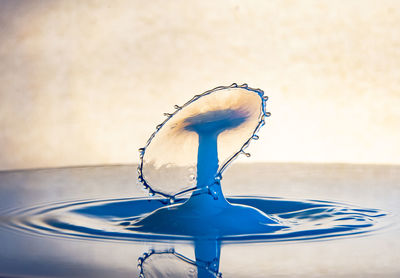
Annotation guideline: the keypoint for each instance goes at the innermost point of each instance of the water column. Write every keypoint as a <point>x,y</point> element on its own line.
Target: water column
<point>207,213</point>
<point>208,126</point>
<point>207,254</point>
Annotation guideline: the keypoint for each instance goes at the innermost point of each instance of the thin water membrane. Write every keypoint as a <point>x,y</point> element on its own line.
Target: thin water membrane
<point>232,114</point>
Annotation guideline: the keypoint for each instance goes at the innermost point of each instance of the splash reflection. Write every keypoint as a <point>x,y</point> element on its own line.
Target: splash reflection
<point>169,263</point>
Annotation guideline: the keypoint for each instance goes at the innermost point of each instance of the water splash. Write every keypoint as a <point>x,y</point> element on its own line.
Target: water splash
<point>168,163</point>
<point>215,126</point>
<point>111,219</point>
<point>305,220</point>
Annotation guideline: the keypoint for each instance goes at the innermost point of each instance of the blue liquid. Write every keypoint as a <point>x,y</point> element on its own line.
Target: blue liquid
<point>227,116</point>
<point>205,218</point>
<point>207,213</point>
<point>303,220</point>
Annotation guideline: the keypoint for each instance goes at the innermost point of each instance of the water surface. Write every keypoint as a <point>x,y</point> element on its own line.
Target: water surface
<point>29,253</point>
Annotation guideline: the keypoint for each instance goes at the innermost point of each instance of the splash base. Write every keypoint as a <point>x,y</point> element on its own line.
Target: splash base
<point>112,220</point>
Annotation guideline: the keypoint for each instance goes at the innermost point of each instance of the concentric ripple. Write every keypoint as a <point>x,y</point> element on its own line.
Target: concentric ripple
<point>110,219</point>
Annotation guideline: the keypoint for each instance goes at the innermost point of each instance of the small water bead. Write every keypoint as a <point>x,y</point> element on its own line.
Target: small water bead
<point>212,190</point>
<point>218,177</point>
<point>196,97</point>
<point>255,137</point>
<point>258,90</point>
<point>141,153</point>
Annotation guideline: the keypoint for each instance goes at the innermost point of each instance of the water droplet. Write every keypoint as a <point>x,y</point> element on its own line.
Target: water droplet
<point>213,191</point>
<point>244,85</point>
<point>255,137</point>
<point>234,85</point>
<point>265,98</point>
<point>196,97</point>
<point>158,126</point>
<point>267,114</point>
<point>177,106</point>
<point>167,114</point>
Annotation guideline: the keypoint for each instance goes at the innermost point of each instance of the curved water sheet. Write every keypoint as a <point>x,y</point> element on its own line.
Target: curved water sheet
<point>227,116</point>
<point>112,220</point>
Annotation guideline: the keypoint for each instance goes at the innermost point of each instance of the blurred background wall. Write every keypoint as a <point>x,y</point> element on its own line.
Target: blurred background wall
<point>86,82</point>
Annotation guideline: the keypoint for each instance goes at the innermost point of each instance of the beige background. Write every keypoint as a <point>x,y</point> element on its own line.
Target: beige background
<point>86,82</point>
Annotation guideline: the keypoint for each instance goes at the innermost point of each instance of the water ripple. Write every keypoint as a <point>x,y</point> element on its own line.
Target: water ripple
<point>110,219</point>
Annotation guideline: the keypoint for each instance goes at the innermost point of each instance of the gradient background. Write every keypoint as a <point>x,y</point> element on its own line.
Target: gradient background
<point>86,82</point>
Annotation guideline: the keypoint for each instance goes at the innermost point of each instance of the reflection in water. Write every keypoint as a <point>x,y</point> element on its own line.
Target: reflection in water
<point>169,263</point>
<point>108,250</point>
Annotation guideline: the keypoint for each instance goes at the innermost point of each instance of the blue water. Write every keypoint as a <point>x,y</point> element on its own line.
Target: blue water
<point>185,143</point>
<point>42,223</point>
<point>199,141</point>
<point>112,219</point>
<point>299,220</point>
